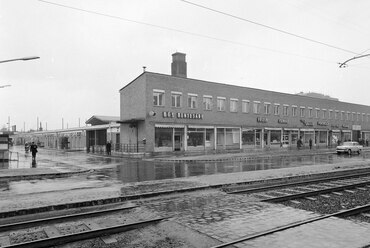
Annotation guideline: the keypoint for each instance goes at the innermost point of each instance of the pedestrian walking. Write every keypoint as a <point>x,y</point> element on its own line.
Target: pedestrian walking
<point>108,147</point>
<point>299,143</point>
<point>310,143</point>
<point>33,149</point>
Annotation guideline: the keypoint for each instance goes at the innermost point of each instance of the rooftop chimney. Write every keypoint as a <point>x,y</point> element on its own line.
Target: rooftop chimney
<point>178,66</point>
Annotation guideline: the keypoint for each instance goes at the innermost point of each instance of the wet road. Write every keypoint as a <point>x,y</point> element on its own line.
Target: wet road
<point>108,171</point>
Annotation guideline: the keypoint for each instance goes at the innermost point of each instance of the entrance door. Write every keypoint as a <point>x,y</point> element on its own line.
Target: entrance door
<point>178,142</point>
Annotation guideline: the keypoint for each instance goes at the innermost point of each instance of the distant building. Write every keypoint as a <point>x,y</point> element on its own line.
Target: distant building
<point>176,113</point>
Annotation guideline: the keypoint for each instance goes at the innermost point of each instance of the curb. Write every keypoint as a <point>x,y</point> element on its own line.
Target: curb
<point>167,192</point>
<point>42,176</point>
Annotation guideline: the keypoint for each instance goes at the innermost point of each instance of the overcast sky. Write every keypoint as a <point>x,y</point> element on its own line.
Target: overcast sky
<point>89,49</point>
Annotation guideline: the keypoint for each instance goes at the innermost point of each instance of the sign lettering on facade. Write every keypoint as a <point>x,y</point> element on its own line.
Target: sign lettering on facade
<point>262,119</point>
<point>282,121</point>
<point>307,123</point>
<point>322,123</point>
<point>168,114</point>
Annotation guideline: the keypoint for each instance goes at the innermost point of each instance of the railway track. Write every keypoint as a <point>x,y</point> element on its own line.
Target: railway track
<point>306,195</point>
<point>59,230</point>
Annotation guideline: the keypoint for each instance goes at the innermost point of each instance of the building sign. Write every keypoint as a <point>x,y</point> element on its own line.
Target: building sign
<point>168,114</point>
<point>307,123</point>
<point>356,127</point>
<point>262,119</point>
<point>322,123</point>
<point>335,126</point>
<point>282,121</point>
<point>345,126</point>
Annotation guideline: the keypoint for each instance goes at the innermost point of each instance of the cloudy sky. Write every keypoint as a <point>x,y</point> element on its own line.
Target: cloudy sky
<point>89,49</point>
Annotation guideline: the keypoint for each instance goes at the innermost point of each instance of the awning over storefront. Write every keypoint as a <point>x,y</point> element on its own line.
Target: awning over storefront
<point>207,127</point>
<point>307,130</point>
<point>169,125</point>
<point>335,131</point>
<point>291,129</point>
<point>346,131</point>
<point>273,128</point>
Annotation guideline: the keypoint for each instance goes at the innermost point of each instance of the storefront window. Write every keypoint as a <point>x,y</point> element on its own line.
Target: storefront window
<point>275,137</point>
<point>163,137</point>
<point>195,137</point>
<point>248,137</point>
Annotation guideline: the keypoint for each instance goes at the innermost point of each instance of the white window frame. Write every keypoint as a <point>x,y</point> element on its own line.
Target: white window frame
<point>221,107</point>
<point>285,110</point>
<point>294,110</point>
<point>234,105</point>
<point>266,108</point>
<point>156,94</point>
<point>256,107</point>
<point>302,111</point>
<point>178,101</point>
<point>276,108</point>
<point>245,106</point>
<point>192,101</point>
<point>310,112</point>
<point>207,106</point>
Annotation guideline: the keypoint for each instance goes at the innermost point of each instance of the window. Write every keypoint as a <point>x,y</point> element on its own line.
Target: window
<point>192,101</point>
<point>363,117</point>
<point>233,105</point>
<point>176,98</point>
<point>158,97</point>
<point>330,114</point>
<point>256,107</point>
<point>353,116</point>
<point>317,113</point>
<point>336,114</point>
<point>302,114</point>
<point>276,109</point>
<point>207,102</point>
<point>221,102</point>
<point>342,115</point>
<point>285,109</point>
<point>294,110</point>
<point>310,113</point>
<point>358,116</point>
<point>266,108</point>
<point>323,113</point>
<point>245,106</point>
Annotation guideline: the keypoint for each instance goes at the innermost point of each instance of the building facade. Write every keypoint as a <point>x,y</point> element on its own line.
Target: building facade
<point>176,113</point>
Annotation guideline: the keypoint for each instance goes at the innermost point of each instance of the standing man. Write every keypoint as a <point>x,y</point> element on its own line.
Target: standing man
<point>310,143</point>
<point>33,149</point>
<point>108,147</point>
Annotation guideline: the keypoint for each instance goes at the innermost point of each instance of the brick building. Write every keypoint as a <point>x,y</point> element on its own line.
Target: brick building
<point>176,113</point>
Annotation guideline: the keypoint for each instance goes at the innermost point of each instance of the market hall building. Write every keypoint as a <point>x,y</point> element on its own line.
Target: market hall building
<point>176,113</point>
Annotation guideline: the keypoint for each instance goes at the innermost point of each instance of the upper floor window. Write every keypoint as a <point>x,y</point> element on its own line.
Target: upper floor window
<point>302,112</point>
<point>207,102</point>
<point>266,107</point>
<point>233,105</point>
<point>276,109</point>
<point>330,114</point>
<point>285,110</point>
<point>221,103</point>
<point>176,98</point>
<point>353,116</point>
<point>256,107</point>
<point>363,117</point>
<point>245,106</point>
<point>158,97</point>
<point>317,113</point>
<point>342,115</point>
<point>336,116</point>
<point>348,116</point>
<point>192,101</point>
<point>358,116</point>
<point>323,113</point>
<point>294,110</point>
<point>310,113</point>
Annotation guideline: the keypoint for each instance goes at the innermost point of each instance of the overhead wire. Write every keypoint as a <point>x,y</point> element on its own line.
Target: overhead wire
<point>184,32</point>
<point>269,27</point>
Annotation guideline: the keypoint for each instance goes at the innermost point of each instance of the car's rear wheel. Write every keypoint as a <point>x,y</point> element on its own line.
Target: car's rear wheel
<point>349,152</point>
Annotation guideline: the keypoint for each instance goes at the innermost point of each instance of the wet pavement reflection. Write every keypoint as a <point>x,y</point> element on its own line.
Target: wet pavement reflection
<point>138,171</point>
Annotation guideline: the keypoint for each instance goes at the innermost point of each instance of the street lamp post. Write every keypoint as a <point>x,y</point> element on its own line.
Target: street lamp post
<point>24,59</point>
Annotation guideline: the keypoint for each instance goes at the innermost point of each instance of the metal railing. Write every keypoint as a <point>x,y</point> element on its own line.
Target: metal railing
<point>118,148</point>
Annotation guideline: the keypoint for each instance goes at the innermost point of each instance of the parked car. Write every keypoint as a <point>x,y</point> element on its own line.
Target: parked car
<point>349,147</point>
